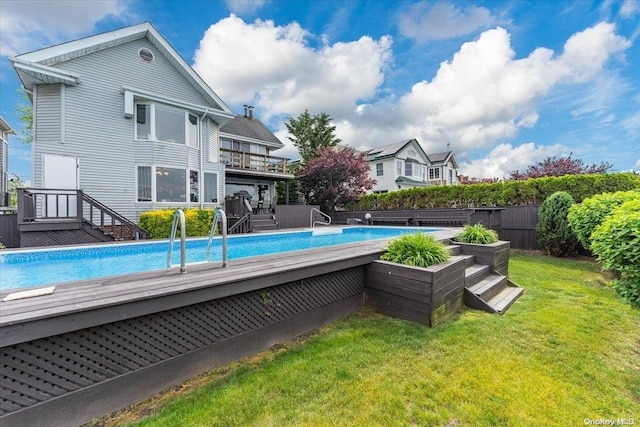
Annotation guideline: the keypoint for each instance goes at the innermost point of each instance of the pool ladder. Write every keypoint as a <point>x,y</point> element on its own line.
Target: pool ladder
<point>222,217</point>
<point>178,216</point>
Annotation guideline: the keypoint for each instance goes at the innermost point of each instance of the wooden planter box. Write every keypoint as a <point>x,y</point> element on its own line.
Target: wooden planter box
<point>425,295</point>
<point>495,254</point>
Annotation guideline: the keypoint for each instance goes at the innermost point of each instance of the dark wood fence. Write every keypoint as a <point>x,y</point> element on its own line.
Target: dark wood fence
<point>516,224</point>
<point>519,226</point>
<point>9,234</point>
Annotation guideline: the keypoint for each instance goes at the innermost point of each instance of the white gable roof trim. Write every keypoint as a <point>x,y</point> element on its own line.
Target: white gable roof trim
<point>76,48</point>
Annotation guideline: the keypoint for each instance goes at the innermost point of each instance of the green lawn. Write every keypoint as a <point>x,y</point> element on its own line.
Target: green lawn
<point>566,351</point>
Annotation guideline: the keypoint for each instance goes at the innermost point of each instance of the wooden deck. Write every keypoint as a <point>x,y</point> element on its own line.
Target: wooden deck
<point>99,301</point>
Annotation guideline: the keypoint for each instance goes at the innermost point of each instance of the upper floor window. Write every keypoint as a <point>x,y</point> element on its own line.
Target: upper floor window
<point>379,169</point>
<point>408,169</point>
<point>158,122</point>
<point>434,173</point>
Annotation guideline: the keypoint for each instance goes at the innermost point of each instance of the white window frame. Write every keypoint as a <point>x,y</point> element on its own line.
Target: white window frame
<point>154,184</point>
<point>188,127</point>
<point>399,167</point>
<point>204,173</point>
<point>435,175</point>
<point>379,169</point>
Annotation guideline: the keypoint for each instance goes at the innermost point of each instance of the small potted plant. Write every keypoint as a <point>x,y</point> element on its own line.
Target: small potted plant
<point>416,279</point>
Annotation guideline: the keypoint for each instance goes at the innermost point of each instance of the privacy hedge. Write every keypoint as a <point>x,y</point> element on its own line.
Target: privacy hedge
<point>616,243</point>
<point>507,193</point>
<point>158,223</point>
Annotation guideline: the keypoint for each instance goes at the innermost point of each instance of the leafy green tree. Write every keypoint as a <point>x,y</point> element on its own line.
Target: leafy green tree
<point>310,133</point>
<point>24,110</point>
<point>13,185</point>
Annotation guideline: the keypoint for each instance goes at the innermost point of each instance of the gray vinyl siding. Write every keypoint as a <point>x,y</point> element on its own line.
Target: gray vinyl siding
<point>96,130</point>
<point>47,127</point>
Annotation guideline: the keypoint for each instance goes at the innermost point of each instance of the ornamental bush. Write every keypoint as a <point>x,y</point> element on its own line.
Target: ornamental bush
<point>477,233</point>
<point>158,223</point>
<point>420,250</point>
<point>553,231</point>
<point>616,243</point>
<point>586,216</point>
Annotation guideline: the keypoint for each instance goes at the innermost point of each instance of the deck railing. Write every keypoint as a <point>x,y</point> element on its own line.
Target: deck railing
<point>59,206</point>
<point>252,161</point>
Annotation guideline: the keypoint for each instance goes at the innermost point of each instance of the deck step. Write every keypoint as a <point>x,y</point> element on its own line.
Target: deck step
<point>489,287</point>
<point>475,273</point>
<point>501,302</point>
<point>454,249</point>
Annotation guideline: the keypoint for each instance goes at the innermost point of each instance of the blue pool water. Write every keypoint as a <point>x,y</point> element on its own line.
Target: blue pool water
<point>26,268</point>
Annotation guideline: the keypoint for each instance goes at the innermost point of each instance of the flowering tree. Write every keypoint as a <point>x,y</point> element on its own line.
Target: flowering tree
<point>552,166</point>
<point>333,177</point>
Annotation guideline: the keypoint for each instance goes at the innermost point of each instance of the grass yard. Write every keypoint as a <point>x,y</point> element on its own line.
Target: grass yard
<point>567,351</point>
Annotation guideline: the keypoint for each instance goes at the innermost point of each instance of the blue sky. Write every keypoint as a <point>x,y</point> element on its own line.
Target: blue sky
<point>502,84</point>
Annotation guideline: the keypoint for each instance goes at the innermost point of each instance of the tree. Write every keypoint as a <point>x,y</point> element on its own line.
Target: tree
<point>24,110</point>
<point>333,177</point>
<point>554,234</point>
<point>13,185</point>
<point>552,166</point>
<point>309,133</point>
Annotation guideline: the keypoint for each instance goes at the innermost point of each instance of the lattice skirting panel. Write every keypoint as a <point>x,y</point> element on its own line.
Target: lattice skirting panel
<point>42,371</point>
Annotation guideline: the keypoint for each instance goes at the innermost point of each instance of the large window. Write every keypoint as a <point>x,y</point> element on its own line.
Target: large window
<point>379,169</point>
<point>171,185</point>
<point>163,123</point>
<point>167,185</point>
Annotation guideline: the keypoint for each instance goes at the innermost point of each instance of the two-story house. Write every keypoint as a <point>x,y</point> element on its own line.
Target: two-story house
<point>123,117</point>
<point>5,131</point>
<point>398,166</point>
<point>406,165</point>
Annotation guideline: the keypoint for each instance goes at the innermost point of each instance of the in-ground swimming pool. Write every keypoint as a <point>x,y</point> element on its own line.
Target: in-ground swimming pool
<point>27,268</point>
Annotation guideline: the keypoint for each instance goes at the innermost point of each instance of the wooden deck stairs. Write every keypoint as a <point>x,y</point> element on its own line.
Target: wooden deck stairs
<point>264,222</point>
<point>484,289</point>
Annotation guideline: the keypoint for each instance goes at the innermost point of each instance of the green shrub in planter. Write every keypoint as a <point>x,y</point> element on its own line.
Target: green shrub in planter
<point>420,250</point>
<point>158,223</point>
<point>553,231</point>
<point>586,216</point>
<point>616,243</point>
<point>477,233</point>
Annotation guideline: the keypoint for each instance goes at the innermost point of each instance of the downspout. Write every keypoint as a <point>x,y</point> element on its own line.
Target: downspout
<point>201,172</point>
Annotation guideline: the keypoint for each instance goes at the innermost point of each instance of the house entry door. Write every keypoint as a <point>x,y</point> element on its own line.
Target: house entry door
<point>60,173</point>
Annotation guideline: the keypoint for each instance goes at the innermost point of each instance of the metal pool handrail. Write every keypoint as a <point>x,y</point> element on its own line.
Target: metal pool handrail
<point>178,215</point>
<point>222,217</point>
<point>312,223</point>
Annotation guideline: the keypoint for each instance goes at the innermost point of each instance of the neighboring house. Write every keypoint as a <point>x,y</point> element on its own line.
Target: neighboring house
<point>5,131</point>
<point>406,165</point>
<point>398,166</point>
<point>123,117</point>
<point>245,149</point>
<point>443,169</point>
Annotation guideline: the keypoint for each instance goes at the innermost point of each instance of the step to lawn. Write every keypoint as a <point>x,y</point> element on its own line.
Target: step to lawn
<point>501,302</point>
<point>489,286</point>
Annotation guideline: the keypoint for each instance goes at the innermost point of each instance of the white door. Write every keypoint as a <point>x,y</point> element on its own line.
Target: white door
<point>60,173</point>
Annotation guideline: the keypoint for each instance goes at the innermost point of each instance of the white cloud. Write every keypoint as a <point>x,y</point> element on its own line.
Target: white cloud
<point>274,67</point>
<point>427,20</point>
<point>244,6</point>
<point>484,94</point>
<point>630,8</point>
<point>505,158</point>
<point>28,25</point>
